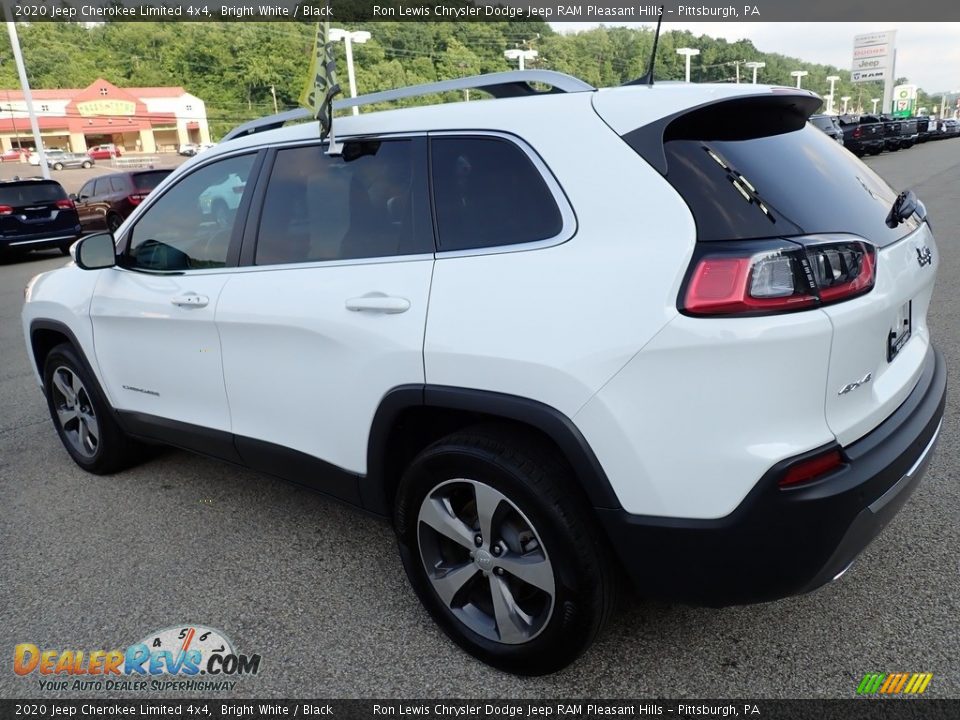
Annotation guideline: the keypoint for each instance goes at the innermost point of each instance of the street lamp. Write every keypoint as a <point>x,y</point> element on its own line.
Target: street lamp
<point>846,99</point>
<point>755,66</point>
<point>874,101</point>
<point>688,53</point>
<point>798,74</point>
<point>520,56</point>
<point>832,79</point>
<point>348,37</point>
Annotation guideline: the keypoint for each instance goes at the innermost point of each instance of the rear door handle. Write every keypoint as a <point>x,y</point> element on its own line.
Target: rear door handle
<point>190,300</point>
<point>378,303</point>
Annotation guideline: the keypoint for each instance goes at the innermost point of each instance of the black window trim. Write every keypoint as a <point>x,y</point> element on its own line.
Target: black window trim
<point>248,250</point>
<point>568,217</point>
<point>242,216</point>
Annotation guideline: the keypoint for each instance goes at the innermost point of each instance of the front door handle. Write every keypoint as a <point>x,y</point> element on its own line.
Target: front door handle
<point>378,303</point>
<point>190,300</point>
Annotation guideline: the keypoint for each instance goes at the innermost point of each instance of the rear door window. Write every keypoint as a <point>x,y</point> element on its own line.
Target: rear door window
<point>101,187</point>
<point>487,193</point>
<point>370,201</point>
<point>118,184</point>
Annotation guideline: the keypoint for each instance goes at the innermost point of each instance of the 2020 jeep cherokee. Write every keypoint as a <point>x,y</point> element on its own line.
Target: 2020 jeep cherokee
<point>691,346</point>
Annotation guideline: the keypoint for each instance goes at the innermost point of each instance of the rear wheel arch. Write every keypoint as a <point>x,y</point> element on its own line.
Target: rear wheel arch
<point>412,417</point>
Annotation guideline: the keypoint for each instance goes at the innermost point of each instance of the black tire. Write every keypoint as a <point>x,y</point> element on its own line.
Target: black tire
<point>65,247</point>
<point>86,165</point>
<point>58,166</point>
<point>540,491</point>
<point>114,222</point>
<point>113,450</point>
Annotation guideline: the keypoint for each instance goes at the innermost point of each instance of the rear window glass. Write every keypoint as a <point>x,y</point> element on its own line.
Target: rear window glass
<point>794,183</point>
<point>149,180</point>
<point>32,193</point>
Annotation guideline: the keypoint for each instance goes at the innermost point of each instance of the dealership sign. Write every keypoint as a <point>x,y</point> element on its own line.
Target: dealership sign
<point>873,56</point>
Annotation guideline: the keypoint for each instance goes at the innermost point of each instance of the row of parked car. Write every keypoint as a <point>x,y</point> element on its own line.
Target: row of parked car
<point>37,214</point>
<point>872,134</point>
<point>58,158</point>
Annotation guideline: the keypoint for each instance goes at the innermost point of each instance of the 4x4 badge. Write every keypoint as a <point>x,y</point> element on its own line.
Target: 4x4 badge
<point>924,255</point>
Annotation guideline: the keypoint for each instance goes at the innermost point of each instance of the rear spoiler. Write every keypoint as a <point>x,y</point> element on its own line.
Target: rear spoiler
<point>739,118</point>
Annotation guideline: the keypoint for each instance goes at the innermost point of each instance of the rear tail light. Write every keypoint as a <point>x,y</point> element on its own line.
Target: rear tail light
<point>136,198</point>
<point>740,280</point>
<point>6,210</point>
<point>811,469</point>
<point>858,132</point>
<point>65,205</point>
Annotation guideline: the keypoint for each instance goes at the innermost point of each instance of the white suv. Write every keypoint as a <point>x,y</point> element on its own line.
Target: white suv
<point>674,333</point>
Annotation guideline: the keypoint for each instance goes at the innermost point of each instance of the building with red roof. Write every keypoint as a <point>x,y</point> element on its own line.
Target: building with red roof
<point>147,119</point>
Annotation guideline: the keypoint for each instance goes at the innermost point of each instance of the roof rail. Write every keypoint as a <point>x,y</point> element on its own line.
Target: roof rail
<point>271,122</point>
<point>510,84</point>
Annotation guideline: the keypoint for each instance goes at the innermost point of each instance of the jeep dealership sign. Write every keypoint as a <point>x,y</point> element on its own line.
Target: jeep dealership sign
<point>873,56</point>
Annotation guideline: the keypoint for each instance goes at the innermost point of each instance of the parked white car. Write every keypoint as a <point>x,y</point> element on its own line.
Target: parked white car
<point>685,347</point>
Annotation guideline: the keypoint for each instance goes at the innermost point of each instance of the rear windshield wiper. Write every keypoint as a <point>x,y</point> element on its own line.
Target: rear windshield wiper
<point>904,206</point>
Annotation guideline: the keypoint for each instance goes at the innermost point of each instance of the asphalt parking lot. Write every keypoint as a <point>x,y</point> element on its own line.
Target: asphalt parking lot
<point>317,590</point>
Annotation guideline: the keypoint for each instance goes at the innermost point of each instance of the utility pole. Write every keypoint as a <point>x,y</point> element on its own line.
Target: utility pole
<point>273,91</point>
<point>520,56</point>
<point>25,85</point>
<point>357,36</point>
<point>753,65</point>
<point>832,79</point>
<point>688,53</point>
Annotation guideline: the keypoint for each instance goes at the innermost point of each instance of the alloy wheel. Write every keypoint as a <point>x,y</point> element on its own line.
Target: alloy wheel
<point>75,412</point>
<point>486,561</point>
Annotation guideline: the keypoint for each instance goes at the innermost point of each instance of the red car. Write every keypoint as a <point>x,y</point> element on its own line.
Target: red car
<point>11,155</point>
<point>104,152</point>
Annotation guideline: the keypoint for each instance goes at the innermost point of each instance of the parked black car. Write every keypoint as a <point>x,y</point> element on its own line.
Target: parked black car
<point>862,134</point>
<point>830,124</point>
<point>36,214</point>
<point>924,129</point>
<point>892,139</point>
<point>909,132</point>
<point>105,202</point>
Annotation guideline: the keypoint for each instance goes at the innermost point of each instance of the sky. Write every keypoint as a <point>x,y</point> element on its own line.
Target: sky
<point>928,54</point>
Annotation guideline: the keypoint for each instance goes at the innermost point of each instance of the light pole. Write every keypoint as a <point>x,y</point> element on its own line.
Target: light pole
<point>832,79</point>
<point>28,97</point>
<point>348,37</point>
<point>799,74</point>
<point>755,66</point>
<point>688,53</point>
<point>520,56</point>
<point>846,99</point>
<point>874,101</point>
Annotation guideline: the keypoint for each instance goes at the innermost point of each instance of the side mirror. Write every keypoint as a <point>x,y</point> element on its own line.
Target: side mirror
<point>95,252</point>
<point>73,196</point>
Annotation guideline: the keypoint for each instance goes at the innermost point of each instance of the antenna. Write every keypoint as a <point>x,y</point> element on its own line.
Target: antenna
<point>647,79</point>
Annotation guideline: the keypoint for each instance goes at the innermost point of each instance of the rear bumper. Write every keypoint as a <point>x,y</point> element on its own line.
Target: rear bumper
<point>778,542</point>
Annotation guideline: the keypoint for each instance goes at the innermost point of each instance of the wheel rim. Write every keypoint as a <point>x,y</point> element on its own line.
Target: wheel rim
<point>75,412</point>
<point>485,561</point>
